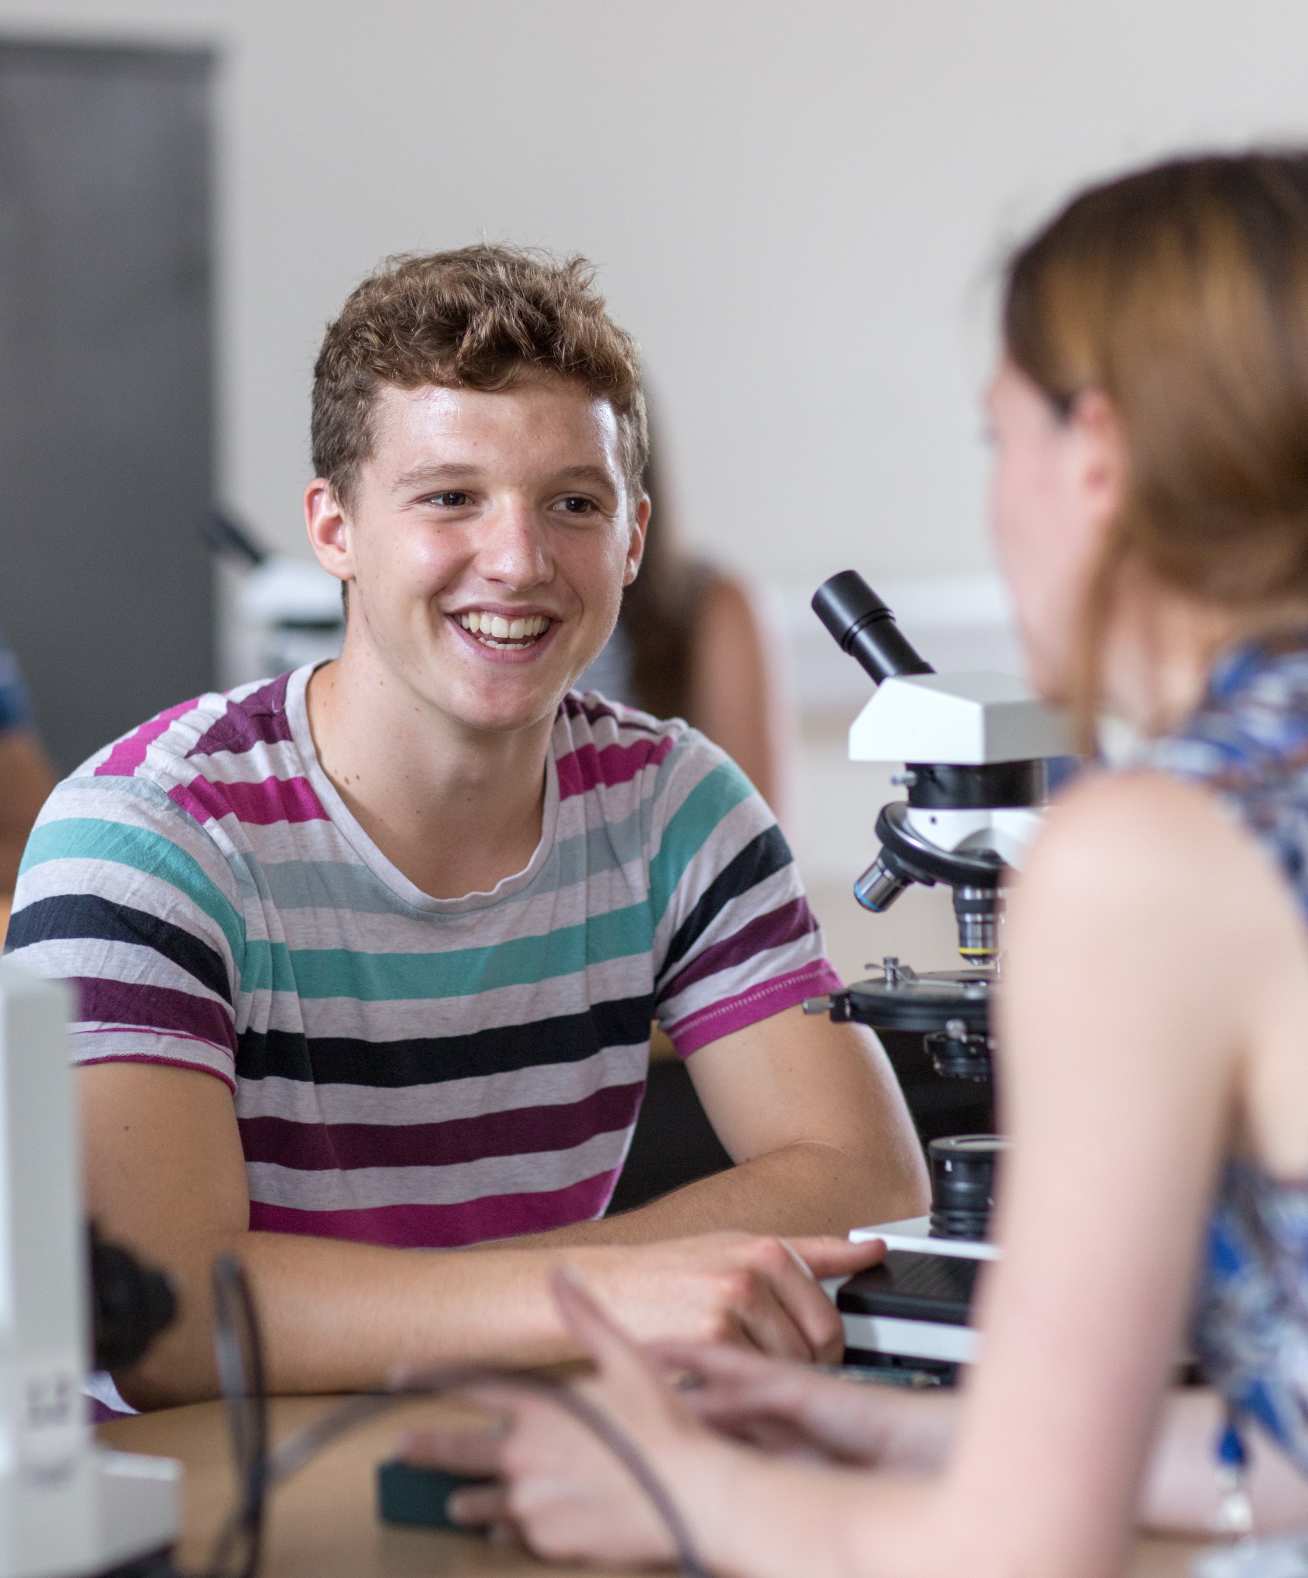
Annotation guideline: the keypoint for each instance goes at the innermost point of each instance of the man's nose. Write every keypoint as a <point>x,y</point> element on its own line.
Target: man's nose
<point>515,548</point>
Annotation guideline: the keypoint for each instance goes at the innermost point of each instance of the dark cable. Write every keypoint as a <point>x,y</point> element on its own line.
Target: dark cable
<point>241,1375</point>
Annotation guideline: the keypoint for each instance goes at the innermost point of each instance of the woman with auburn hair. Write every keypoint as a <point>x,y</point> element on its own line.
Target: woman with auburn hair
<point>1150,506</point>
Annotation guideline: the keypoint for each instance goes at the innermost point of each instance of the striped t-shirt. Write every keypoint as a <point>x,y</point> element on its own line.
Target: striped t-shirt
<point>410,1070</point>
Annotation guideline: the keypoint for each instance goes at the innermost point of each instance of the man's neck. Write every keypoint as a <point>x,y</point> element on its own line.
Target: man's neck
<point>456,811</point>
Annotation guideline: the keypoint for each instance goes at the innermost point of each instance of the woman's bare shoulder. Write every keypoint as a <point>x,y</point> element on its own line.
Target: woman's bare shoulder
<point>1137,848</point>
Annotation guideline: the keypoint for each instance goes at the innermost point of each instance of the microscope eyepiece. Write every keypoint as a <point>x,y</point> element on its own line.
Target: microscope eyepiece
<point>865,628</point>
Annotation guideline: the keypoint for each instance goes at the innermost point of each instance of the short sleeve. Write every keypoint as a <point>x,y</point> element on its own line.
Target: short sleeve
<point>125,897</point>
<point>734,938</point>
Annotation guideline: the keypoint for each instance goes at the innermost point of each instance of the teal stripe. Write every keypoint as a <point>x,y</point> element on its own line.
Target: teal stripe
<point>520,961</point>
<point>717,794</point>
<point>92,838</point>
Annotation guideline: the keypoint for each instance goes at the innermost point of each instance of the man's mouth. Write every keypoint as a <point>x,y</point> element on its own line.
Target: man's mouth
<point>495,630</point>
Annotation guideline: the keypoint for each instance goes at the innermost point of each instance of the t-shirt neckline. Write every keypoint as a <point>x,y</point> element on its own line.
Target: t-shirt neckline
<point>349,827</point>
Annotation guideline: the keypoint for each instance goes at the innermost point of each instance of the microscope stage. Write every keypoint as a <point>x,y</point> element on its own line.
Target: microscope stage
<point>915,1305</point>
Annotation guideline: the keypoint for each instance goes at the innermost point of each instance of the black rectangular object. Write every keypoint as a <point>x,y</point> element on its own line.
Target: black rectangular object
<point>414,1494</point>
<point>909,1285</point>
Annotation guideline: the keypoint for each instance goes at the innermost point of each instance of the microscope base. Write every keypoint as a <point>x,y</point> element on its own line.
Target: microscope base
<point>115,1517</point>
<point>886,1311</point>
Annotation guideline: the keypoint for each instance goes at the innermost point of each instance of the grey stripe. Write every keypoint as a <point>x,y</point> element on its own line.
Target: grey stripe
<point>343,884</point>
<point>87,1045</point>
<point>370,1188</point>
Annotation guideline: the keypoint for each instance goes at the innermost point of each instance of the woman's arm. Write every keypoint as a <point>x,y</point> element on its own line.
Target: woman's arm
<point>1121,1036</point>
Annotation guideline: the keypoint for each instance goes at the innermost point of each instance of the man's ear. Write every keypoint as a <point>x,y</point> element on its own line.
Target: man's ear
<point>328,525</point>
<point>636,544</point>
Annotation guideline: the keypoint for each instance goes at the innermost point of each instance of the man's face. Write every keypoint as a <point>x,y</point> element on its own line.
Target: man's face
<point>488,539</point>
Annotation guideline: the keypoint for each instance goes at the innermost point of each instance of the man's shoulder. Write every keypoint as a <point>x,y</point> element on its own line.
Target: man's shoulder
<point>218,731</point>
<point>179,774</point>
<point>604,745</point>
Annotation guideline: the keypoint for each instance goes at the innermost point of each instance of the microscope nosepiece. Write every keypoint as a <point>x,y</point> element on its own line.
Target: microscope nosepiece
<point>879,886</point>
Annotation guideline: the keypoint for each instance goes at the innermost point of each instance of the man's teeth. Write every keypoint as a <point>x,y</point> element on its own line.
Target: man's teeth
<point>501,629</point>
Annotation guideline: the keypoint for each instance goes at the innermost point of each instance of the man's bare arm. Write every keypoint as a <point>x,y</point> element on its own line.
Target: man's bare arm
<point>165,1175</point>
<point>815,1121</point>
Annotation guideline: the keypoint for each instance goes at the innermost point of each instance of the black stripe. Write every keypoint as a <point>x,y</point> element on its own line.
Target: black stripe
<point>430,1060</point>
<point>760,858</point>
<point>82,916</point>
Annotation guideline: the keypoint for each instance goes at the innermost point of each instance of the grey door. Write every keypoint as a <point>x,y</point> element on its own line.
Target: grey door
<point>105,383</point>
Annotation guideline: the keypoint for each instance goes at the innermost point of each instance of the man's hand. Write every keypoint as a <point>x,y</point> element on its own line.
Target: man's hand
<point>735,1288</point>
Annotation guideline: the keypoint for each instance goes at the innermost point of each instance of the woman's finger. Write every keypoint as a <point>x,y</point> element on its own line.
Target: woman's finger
<point>476,1506</point>
<point>613,1351</point>
<point>460,1449</point>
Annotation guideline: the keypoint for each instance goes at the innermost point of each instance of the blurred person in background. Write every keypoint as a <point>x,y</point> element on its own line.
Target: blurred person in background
<point>691,643</point>
<point>26,776</point>
<point>1149,504</point>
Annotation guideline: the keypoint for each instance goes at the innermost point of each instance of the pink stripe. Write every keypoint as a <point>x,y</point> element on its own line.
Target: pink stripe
<point>519,1131</point>
<point>163,1062</point>
<point>129,752</point>
<point>160,1008</point>
<point>586,768</point>
<point>748,1007</point>
<point>445,1226</point>
<point>98,1413</point>
<point>272,800</point>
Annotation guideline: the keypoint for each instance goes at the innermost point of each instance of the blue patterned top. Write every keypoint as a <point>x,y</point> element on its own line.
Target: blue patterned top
<point>14,711</point>
<point>1248,742</point>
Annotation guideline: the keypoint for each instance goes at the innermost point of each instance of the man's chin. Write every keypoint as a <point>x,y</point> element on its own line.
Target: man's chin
<point>500,720</point>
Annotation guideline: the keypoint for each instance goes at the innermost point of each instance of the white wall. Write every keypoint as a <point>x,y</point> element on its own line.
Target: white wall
<point>797,208</point>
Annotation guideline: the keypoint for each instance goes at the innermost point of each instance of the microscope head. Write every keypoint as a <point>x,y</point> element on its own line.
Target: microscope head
<point>974,749</point>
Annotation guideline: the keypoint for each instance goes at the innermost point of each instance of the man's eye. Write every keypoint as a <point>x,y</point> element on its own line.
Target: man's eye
<point>574,504</point>
<point>450,499</point>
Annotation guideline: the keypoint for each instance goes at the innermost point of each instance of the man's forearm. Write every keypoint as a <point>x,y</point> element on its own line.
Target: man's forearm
<point>801,1189</point>
<point>337,1316</point>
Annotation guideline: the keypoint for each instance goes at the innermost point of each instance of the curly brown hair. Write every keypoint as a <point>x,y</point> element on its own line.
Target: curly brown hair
<point>479,317</point>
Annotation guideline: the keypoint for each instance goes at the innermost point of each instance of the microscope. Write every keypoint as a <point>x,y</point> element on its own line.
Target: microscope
<point>68,1509</point>
<point>974,750</point>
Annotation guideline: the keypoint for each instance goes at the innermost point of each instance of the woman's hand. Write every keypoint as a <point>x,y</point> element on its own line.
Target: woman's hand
<point>793,1410</point>
<point>561,1488</point>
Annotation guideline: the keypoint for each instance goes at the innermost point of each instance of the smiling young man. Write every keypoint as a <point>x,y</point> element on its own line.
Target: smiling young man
<point>368,954</point>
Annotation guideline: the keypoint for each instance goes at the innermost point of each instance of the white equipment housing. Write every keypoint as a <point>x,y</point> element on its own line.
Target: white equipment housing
<point>967,720</point>
<point>67,1507</point>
